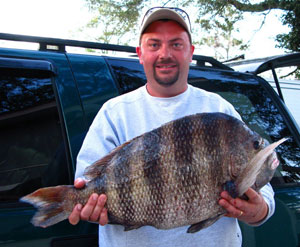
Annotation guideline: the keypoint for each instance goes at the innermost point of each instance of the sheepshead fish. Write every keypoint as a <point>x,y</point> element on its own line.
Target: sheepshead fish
<point>169,177</point>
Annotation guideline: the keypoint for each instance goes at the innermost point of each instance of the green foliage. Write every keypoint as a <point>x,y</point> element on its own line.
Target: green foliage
<point>117,21</point>
<point>220,31</point>
<point>290,16</point>
<point>291,40</point>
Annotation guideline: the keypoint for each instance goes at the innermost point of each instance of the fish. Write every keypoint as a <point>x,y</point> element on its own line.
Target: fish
<point>169,177</point>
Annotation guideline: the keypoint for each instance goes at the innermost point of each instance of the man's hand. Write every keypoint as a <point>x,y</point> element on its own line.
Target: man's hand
<point>252,211</point>
<point>93,210</point>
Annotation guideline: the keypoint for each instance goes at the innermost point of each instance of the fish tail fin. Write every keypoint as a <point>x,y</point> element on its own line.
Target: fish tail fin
<point>249,175</point>
<point>50,204</point>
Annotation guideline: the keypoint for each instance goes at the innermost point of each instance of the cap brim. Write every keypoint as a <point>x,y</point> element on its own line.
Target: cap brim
<point>162,14</point>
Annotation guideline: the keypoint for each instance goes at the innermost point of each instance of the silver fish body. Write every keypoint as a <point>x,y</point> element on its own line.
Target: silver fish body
<point>171,176</point>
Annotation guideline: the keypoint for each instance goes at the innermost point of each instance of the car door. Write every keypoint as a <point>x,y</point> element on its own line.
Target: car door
<point>34,153</point>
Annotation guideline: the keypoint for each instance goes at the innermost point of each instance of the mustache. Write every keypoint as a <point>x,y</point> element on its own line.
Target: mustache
<point>165,61</point>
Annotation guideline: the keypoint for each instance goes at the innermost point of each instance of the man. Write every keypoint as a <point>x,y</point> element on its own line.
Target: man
<point>165,51</point>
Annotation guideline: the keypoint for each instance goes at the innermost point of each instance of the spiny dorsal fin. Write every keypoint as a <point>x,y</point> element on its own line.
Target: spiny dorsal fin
<point>97,167</point>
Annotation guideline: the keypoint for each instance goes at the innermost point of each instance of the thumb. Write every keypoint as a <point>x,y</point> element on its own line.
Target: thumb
<point>79,183</point>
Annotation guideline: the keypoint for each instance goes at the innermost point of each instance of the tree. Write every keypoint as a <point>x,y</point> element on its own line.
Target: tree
<point>220,33</point>
<point>117,20</point>
<point>290,15</point>
<point>120,17</point>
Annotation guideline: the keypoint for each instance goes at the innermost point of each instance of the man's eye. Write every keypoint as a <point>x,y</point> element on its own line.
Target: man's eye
<point>177,45</point>
<point>154,45</point>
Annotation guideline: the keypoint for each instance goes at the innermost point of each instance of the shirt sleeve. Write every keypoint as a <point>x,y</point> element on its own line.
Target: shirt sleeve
<point>99,141</point>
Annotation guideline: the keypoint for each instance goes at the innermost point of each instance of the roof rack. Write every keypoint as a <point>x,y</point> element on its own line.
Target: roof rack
<point>59,45</point>
<point>201,60</point>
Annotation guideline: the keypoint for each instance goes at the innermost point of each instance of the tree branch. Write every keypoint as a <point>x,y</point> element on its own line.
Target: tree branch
<point>291,73</point>
<point>259,7</point>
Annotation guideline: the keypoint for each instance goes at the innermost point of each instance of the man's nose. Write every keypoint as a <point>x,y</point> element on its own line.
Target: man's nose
<point>165,51</point>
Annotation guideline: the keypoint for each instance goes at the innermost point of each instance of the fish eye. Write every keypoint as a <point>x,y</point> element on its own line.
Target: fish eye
<point>256,145</point>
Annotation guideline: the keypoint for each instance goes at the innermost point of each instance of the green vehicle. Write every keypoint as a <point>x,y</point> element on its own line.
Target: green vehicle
<point>48,99</point>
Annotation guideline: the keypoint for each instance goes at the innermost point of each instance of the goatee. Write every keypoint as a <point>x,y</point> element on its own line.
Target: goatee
<point>166,81</point>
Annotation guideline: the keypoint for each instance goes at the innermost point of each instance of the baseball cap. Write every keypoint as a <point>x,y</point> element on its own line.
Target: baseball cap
<point>166,13</point>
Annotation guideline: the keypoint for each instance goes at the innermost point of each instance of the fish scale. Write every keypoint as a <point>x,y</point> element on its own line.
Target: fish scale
<point>171,176</point>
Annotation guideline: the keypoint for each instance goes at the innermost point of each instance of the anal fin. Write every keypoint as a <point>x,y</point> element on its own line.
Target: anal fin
<point>129,228</point>
<point>203,224</point>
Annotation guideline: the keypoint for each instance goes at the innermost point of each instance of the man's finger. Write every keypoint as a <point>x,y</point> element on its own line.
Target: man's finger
<point>225,195</point>
<point>252,195</point>
<point>231,210</point>
<point>98,208</point>
<point>88,209</point>
<point>236,202</point>
<point>79,183</point>
<point>74,217</point>
<point>226,205</point>
<point>103,217</point>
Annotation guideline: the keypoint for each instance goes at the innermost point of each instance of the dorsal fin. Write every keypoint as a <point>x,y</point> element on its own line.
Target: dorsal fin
<point>97,167</point>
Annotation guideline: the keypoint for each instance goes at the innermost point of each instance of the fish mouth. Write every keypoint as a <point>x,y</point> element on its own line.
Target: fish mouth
<point>252,170</point>
<point>274,161</point>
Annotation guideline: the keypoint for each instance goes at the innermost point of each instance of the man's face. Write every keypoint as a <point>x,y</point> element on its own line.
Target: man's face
<point>165,53</point>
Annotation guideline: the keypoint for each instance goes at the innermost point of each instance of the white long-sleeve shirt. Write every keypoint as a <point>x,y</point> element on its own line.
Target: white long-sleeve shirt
<point>130,115</point>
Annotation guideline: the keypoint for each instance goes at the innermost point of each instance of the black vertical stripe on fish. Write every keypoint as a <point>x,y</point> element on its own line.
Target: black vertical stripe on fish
<point>153,172</point>
<point>209,144</point>
<point>182,139</point>
<point>123,188</point>
<point>214,142</point>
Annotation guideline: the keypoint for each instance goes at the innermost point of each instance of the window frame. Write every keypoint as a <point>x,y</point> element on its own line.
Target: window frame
<point>40,66</point>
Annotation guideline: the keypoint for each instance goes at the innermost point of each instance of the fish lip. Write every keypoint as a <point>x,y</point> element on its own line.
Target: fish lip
<point>274,162</point>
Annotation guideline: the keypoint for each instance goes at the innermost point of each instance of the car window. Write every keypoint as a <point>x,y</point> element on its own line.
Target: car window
<point>290,87</point>
<point>286,70</point>
<point>128,73</point>
<point>31,135</point>
<point>259,112</point>
<point>94,81</point>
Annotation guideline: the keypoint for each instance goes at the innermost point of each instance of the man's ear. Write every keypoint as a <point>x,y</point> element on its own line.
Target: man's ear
<point>139,53</point>
<point>192,52</point>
